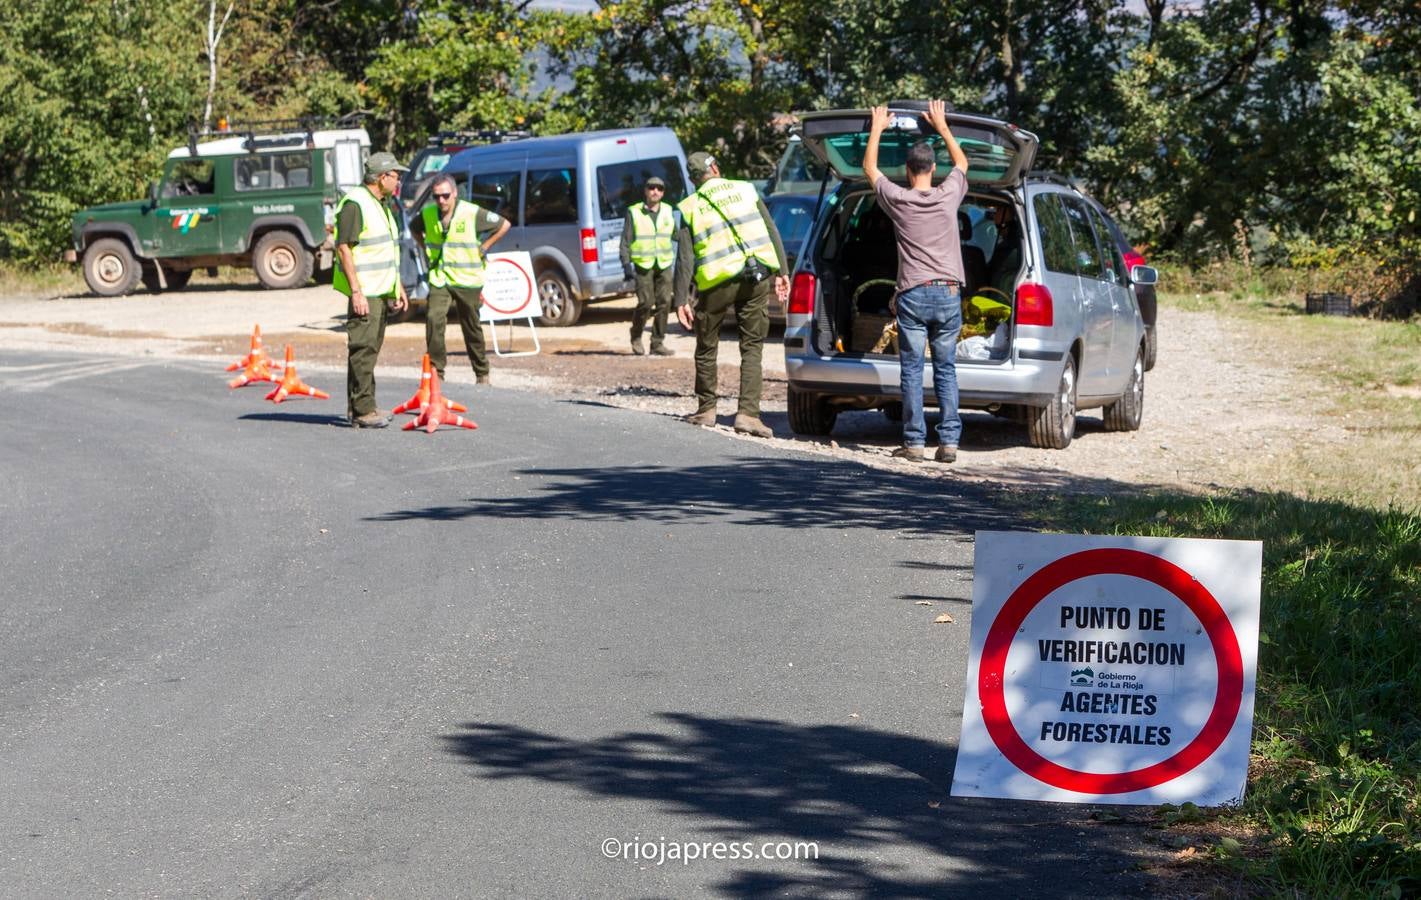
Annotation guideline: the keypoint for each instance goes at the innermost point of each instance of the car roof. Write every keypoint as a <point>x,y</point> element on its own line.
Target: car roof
<point>556,142</point>
<point>236,145</point>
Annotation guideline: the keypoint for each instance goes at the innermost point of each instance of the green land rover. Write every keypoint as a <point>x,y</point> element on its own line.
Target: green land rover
<point>259,196</point>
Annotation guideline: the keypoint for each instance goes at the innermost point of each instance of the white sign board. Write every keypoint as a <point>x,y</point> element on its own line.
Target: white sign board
<point>1110,669</point>
<point>510,290</point>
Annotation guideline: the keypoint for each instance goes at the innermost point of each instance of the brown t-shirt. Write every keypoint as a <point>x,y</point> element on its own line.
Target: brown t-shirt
<point>929,247</point>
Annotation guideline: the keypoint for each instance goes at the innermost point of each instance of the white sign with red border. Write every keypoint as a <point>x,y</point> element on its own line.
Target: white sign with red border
<point>1110,669</point>
<point>510,290</point>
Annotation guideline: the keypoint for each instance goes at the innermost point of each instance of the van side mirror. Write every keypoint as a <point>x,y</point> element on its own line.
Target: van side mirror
<point>153,192</point>
<point>1144,275</point>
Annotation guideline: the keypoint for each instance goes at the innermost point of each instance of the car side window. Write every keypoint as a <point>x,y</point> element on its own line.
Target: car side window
<point>552,197</point>
<point>1055,231</point>
<point>621,184</point>
<point>189,178</point>
<point>1114,269</point>
<point>272,171</point>
<point>495,191</point>
<point>1087,256</point>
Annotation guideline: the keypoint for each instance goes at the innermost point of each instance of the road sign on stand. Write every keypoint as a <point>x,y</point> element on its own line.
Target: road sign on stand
<point>1110,669</point>
<point>510,294</point>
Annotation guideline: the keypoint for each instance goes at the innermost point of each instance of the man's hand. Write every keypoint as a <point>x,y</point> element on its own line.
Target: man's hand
<point>686,316</point>
<point>358,304</point>
<point>937,115</point>
<point>402,300</point>
<point>878,119</point>
<point>782,288</point>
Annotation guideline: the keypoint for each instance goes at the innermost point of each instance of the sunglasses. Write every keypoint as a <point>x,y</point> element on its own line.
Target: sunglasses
<point>443,196</point>
<point>655,187</point>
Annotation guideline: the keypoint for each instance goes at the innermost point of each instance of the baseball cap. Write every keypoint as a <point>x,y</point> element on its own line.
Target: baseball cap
<point>699,163</point>
<point>382,162</point>
<point>655,181</point>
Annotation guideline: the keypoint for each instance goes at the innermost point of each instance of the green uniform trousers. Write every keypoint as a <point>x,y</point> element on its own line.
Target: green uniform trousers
<point>364,336</point>
<point>466,302</point>
<point>752,315</point>
<point>653,300</point>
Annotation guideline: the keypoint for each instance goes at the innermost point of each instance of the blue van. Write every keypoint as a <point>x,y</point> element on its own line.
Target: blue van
<point>566,197</point>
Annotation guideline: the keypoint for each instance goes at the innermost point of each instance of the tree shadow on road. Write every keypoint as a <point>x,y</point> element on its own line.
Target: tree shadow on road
<point>795,492</point>
<point>787,493</point>
<point>859,793</point>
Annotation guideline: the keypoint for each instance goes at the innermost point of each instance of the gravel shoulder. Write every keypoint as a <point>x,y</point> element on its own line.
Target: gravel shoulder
<point>1218,411</point>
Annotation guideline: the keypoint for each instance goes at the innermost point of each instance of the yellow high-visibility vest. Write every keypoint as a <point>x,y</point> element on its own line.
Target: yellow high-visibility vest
<point>377,261</point>
<point>651,238</point>
<point>454,258</point>
<point>715,214</point>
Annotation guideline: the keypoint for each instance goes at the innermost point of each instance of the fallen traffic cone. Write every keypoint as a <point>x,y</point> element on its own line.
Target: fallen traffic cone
<point>291,383</point>
<point>258,352</point>
<point>437,412</point>
<point>421,397</point>
<point>256,368</point>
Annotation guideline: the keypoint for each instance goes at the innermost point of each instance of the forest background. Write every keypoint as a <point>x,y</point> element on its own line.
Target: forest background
<point>1265,134</point>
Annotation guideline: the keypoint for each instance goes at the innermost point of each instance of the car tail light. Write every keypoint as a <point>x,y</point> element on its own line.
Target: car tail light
<point>1133,259</point>
<point>801,294</point>
<point>1034,305</point>
<point>589,245</point>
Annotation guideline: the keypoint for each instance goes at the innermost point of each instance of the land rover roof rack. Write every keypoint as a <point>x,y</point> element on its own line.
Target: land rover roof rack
<point>270,133</point>
<point>484,136</point>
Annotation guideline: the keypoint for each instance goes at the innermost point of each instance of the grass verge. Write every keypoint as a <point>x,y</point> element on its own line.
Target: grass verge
<point>1333,807</point>
<point>1336,762</point>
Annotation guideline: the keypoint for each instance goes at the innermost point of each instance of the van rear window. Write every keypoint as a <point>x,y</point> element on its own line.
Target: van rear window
<point>620,185</point>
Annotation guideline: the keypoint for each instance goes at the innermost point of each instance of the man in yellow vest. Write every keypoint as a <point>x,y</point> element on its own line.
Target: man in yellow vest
<point>730,246</point>
<point>449,229</point>
<point>648,253</point>
<point>369,274</point>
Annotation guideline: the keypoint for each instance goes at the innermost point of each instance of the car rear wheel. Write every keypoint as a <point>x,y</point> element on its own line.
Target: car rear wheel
<point>560,308</point>
<point>1125,414</point>
<point>810,413</point>
<point>110,268</point>
<point>281,261</point>
<point>1053,426</point>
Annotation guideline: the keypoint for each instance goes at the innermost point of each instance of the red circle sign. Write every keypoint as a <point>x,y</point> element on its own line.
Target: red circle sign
<point>991,677</point>
<point>527,297</point>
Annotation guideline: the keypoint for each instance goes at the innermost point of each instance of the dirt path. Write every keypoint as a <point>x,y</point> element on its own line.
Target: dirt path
<point>1217,413</point>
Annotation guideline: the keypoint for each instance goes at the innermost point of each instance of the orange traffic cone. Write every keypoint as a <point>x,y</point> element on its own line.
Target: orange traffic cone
<point>257,353</point>
<point>254,370</point>
<point>291,383</point>
<point>437,412</point>
<point>421,397</point>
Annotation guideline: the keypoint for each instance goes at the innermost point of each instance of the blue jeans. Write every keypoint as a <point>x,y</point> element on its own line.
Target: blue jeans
<point>929,314</point>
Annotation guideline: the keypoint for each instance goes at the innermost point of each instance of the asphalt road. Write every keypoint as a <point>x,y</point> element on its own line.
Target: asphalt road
<point>246,651</point>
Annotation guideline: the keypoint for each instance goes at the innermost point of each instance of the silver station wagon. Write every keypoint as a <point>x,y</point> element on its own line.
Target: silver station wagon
<point>1048,301</point>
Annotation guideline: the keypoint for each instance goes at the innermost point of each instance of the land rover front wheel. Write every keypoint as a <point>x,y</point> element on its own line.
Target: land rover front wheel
<point>281,261</point>
<point>110,268</point>
<point>1053,426</point>
<point>560,308</point>
<point>810,413</point>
